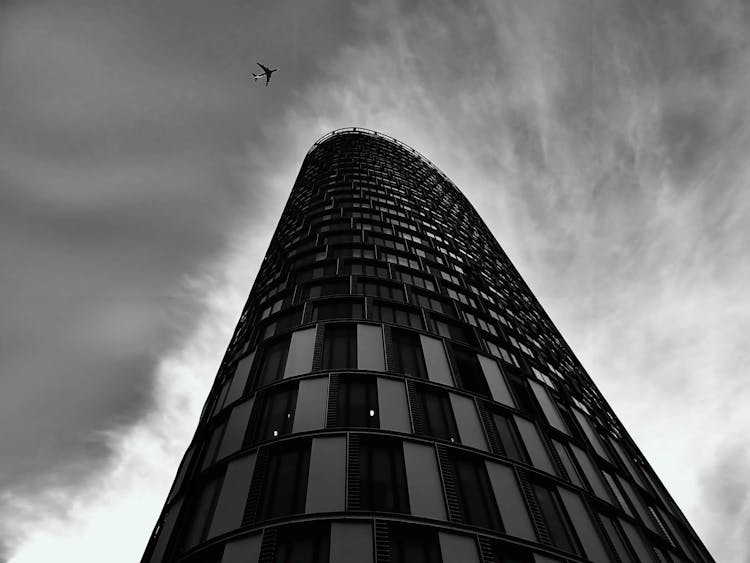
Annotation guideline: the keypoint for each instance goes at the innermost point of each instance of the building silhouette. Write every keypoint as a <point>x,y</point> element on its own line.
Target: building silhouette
<point>394,393</point>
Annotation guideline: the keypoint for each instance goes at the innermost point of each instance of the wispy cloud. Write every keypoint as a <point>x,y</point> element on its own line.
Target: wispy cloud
<point>605,146</point>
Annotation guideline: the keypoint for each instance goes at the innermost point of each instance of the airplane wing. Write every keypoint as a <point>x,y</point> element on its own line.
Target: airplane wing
<point>268,78</point>
<point>265,68</point>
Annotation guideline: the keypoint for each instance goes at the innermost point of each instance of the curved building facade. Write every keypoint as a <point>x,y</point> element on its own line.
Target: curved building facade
<point>394,393</point>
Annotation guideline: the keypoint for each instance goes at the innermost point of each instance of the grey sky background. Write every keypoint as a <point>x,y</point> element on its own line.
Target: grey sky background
<point>142,174</point>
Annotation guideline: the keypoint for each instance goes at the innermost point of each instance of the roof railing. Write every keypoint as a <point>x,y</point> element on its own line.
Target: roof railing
<point>372,133</point>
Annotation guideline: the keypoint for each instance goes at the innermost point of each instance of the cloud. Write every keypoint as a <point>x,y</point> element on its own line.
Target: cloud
<point>605,146</point>
<point>132,158</point>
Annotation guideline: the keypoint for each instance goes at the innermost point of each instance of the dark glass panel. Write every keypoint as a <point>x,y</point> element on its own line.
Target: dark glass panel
<point>277,413</point>
<point>413,544</point>
<point>383,476</point>
<point>475,493</point>
<point>437,414</point>
<point>358,402</point>
<point>340,346</point>
<point>407,353</point>
<point>286,485</point>
<point>553,517</point>
<point>274,361</point>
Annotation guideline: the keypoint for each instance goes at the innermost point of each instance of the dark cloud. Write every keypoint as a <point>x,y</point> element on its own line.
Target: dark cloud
<point>605,144</point>
<point>124,130</point>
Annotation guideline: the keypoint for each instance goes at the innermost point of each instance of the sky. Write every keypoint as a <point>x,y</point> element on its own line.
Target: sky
<point>142,173</point>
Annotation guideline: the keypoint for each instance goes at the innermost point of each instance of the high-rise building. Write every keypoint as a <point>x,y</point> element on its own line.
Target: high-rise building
<point>394,393</point>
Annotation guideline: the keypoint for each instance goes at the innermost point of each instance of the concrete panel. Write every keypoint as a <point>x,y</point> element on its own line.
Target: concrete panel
<point>423,480</point>
<point>239,380</point>
<point>231,504</point>
<point>351,541</point>
<point>236,427</point>
<point>436,361</point>
<point>310,412</point>
<point>534,445</point>
<point>584,526</point>
<point>457,548</point>
<point>326,482</point>
<point>370,354</point>
<point>467,419</point>
<point>496,381</point>
<point>244,550</point>
<point>548,407</point>
<point>300,357</point>
<point>394,408</point>
<point>512,506</point>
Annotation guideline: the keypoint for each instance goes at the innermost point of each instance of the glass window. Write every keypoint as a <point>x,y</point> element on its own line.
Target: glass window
<point>286,480</point>
<point>340,346</point>
<point>338,286</point>
<point>211,447</point>
<point>433,303</point>
<point>374,288</point>
<point>454,331</point>
<point>277,413</point>
<point>508,435</point>
<point>357,404</point>
<point>554,517</point>
<point>616,537</point>
<point>383,475</point>
<point>413,544</point>
<point>509,553</point>
<point>342,238</point>
<point>469,371</point>
<point>203,505</point>
<point>369,270</point>
<point>274,361</point>
<point>388,313</point>
<point>314,273</point>
<point>339,309</point>
<point>283,322</point>
<point>475,493</point>
<point>304,543</point>
<point>437,414</point>
<point>407,353</point>
<point>414,279</point>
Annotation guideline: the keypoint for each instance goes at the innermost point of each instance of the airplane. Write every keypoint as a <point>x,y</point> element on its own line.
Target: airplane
<point>266,72</point>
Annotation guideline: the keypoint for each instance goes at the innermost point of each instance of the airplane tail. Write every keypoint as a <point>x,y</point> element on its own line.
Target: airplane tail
<point>256,76</point>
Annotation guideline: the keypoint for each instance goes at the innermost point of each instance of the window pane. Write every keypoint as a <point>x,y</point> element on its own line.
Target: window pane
<point>413,544</point>
<point>287,480</point>
<point>438,415</point>
<point>553,516</point>
<point>470,371</point>
<point>407,353</point>
<point>274,361</point>
<point>475,494</point>
<point>277,413</point>
<point>358,402</point>
<point>340,346</point>
<point>201,514</point>
<point>508,437</point>
<point>383,476</point>
<point>337,310</point>
<point>304,543</point>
